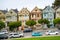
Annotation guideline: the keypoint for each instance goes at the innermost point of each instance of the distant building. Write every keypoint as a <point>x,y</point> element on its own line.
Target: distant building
<point>11,15</point>
<point>48,13</point>
<point>58,12</point>
<point>2,15</point>
<point>36,14</point>
<point>23,16</point>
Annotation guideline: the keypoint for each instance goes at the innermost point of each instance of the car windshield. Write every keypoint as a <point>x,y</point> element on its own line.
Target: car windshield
<point>3,35</point>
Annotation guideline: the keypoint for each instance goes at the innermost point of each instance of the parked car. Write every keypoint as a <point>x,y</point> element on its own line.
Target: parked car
<point>3,36</point>
<point>15,35</point>
<point>52,32</point>
<point>4,31</point>
<point>21,34</point>
<point>28,30</point>
<point>37,33</point>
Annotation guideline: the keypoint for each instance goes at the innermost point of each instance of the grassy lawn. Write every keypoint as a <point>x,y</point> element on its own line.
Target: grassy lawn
<point>39,38</point>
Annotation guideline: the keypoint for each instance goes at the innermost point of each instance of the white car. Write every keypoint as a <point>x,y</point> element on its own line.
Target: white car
<point>52,32</point>
<point>14,35</point>
<point>21,34</point>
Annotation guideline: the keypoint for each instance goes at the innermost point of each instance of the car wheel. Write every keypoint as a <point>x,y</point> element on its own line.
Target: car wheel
<point>48,34</point>
<point>56,33</point>
<point>21,36</point>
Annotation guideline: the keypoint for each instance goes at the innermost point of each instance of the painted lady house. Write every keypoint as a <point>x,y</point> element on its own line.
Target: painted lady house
<point>11,15</point>
<point>23,16</point>
<point>48,13</point>
<point>35,15</point>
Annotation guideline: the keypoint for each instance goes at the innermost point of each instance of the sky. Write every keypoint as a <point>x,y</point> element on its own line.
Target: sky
<point>29,4</point>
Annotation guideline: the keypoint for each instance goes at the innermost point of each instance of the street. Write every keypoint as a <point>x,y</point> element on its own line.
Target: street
<point>29,34</point>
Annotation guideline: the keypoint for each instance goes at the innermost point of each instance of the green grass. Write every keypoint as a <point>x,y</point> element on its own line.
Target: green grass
<point>39,38</point>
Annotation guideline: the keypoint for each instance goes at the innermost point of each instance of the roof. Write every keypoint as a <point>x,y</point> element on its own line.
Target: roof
<point>24,9</point>
<point>48,9</point>
<point>36,9</point>
<point>15,10</point>
<point>58,9</point>
<point>4,11</point>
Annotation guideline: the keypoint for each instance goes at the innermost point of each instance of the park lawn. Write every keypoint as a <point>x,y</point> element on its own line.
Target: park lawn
<point>39,38</point>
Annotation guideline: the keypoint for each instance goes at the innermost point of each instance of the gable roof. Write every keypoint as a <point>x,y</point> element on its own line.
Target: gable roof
<point>4,11</point>
<point>48,9</point>
<point>24,10</point>
<point>15,10</point>
<point>58,9</point>
<point>36,9</point>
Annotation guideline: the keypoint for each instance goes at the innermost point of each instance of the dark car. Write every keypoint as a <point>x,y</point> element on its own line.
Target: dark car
<point>3,36</point>
<point>28,30</point>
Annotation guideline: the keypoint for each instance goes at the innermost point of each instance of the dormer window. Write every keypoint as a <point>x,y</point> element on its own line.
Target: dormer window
<point>11,12</point>
<point>0,13</point>
<point>35,10</point>
<point>58,12</point>
<point>48,8</point>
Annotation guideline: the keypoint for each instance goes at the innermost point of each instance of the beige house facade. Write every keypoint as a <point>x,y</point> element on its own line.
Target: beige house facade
<point>23,16</point>
<point>58,13</point>
<point>36,14</point>
<point>2,15</point>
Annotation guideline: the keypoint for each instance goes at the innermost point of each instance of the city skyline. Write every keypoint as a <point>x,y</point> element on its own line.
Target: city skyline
<point>29,4</point>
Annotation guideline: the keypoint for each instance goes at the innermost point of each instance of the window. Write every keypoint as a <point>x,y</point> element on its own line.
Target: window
<point>0,13</point>
<point>25,15</point>
<point>20,15</point>
<point>35,10</point>
<point>50,15</point>
<point>8,17</point>
<point>37,15</point>
<point>45,14</point>
<point>11,12</point>
<point>50,19</point>
<point>32,15</point>
<point>58,12</point>
<point>15,34</point>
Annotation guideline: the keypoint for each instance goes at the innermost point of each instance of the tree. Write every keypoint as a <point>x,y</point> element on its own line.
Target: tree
<point>56,3</point>
<point>2,25</point>
<point>14,25</point>
<point>57,22</point>
<point>31,23</point>
<point>43,21</point>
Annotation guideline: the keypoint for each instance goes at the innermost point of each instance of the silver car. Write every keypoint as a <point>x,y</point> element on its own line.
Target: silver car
<point>15,35</point>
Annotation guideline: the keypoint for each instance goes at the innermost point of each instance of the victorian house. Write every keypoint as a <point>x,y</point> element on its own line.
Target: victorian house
<point>48,13</point>
<point>23,16</point>
<point>57,13</point>
<point>2,15</point>
<point>36,14</point>
<point>11,15</point>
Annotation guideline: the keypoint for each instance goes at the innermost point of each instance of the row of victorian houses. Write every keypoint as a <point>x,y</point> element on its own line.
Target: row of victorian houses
<point>24,15</point>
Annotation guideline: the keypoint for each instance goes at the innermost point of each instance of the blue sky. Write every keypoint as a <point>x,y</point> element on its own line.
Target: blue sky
<point>19,4</point>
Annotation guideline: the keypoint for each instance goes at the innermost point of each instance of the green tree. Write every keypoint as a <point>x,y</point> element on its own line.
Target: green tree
<point>43,21</point>
<point>31,23</point>
<point>57,22</point>
<point>56,3</point>
<point>2,25</point>
<point>14,25</point>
